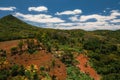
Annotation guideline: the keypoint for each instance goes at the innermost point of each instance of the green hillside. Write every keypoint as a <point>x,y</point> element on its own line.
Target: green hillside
<point>101,46</point>
<point>13,28</point>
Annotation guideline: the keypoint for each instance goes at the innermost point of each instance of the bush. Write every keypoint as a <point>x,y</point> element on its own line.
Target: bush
<point>2,53</point>
<point>4,74</point>
<point>14,50</point>
<point>67,58</point>
<point>75,74</point>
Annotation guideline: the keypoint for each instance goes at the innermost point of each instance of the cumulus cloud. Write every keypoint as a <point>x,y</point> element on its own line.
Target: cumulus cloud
<point>109,22</point>
<point>39,18</point>
<point>89,26</point>
<point>74,12</point>
<point>102,22</point>
<point>7,8</point>
<point>113,15</point>
<point>115,21</point>
<point>97,17</point>
<point>74,18</point>
<point>38,9</point>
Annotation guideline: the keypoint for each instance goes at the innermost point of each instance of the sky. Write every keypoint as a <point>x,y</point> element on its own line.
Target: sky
<point>65,14</point>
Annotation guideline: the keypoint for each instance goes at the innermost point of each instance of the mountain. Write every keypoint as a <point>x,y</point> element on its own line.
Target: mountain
<point>102,47</point>
<point>13,28</point>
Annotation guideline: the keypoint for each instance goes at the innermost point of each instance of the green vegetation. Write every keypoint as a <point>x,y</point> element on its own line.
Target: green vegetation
<point>75,74</point>
<point>31,47</point>
<point>102,47</point>
<point>68,59</point>
<point>20,45</point>
<point>14,50</point>
<point>12,28</point>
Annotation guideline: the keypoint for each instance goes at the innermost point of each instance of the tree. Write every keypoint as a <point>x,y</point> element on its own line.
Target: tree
<point>67,58</point>
<point>2,53</point>
<point>14,50</point>
<point>92,44</point>
<point>14,70</point>
<point>4,73</point>
<point>30,46</point>
<point>20,45</point>
<point>32,73</point>
<point>56,45</point>
<point>48,47</point>
<point>54,77</point>
<point>22,70</point>
<point>53,63</point>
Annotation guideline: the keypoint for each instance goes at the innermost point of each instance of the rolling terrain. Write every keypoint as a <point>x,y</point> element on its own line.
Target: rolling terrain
<point>32,53</point>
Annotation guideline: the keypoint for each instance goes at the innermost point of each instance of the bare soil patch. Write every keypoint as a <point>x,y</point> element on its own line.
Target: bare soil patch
<point>40,58</point>
<point>7,45</point>
<point>86,68</point>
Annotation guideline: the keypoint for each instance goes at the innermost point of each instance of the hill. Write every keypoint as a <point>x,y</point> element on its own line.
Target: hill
<point>13,28</point>
<point>102,48</point>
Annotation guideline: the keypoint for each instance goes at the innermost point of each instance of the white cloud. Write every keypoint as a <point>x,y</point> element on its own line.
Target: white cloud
<point>39,18</point>
<point>109,22</point>
<point>97,17</point>
<point>89,26</point>
<point>74,18</point>
<point>115,13</point>
<point>74,12</point>
<point>38,9</point>
<point>7,8</point>
<point>116,21</point>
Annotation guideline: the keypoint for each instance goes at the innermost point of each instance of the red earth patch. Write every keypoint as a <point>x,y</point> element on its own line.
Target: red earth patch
<point>86,68</point>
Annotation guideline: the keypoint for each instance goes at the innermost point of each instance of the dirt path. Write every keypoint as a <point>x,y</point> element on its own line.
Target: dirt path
<point>86,68</point>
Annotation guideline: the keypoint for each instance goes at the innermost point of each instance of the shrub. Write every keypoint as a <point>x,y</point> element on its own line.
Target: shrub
<point>14,50</point>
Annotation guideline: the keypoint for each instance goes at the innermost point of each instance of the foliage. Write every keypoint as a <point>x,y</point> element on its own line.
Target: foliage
<point>30,46</point>
<point>12,28</point>
<point>2,53</point>
<point>102,46</point>
<point>20,45</point>
<point>4,74</point>
<point>106,65</point>
<point>75,74</point>
<point>14,50</point>
<point>67,58</point>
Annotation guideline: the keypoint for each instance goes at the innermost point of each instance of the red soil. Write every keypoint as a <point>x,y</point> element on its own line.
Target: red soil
<point>7,45</point>
<point>86,68</point>
<point>41,58</point>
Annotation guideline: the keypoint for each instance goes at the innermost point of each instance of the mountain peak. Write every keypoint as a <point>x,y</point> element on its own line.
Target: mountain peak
<point>8,17</point>
<point>13,22</point>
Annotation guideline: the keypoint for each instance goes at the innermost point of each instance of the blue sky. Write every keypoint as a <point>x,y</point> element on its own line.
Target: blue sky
<point>65,14</point>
